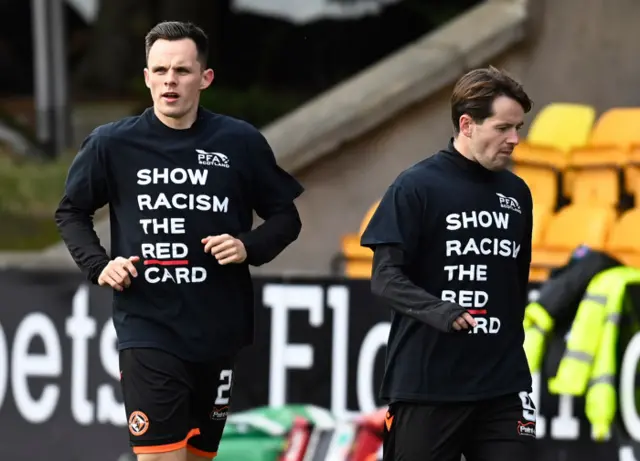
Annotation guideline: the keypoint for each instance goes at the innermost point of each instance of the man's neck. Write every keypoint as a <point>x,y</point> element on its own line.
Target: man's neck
<point>463,148</point>
<point>183,123</point>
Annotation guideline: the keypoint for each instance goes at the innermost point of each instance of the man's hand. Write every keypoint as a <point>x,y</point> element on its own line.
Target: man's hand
<point>225,248</point>
<point>117,274</point>
<point>464,322</point>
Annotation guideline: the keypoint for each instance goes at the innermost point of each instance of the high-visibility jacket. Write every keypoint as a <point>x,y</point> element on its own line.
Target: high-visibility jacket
<point>559,299</point>
<point>589,363</point>
<point>538,325</point>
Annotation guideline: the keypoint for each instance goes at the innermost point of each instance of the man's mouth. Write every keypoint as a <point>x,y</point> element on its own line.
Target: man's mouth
<point>170,96</point>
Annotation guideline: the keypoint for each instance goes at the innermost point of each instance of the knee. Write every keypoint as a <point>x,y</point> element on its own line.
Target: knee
<point>193,455</point>
<point>177,455</point>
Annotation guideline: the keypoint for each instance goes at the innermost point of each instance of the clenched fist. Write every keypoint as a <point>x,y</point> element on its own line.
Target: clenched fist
<point>225,248</point>
<point>117,274</point>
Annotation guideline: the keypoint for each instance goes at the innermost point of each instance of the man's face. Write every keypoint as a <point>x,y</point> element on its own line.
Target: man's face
<point>175,77</point>
<point>492,141</point>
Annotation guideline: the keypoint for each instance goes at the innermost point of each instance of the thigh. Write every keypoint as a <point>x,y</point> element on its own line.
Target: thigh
<point>210,405</point>
<point>156,388</point>
<point>416,432</point>
<point>504,429</point>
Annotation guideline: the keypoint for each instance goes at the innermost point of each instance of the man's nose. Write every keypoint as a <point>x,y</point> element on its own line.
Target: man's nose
<point>170,78</point>
<point>514,137</point>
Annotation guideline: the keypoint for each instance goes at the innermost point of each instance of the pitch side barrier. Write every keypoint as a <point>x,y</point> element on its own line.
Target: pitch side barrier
<point>319,341</point>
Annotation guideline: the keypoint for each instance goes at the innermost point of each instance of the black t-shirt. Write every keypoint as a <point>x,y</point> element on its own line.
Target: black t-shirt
<point>168,189</point>
<point>451,236</point>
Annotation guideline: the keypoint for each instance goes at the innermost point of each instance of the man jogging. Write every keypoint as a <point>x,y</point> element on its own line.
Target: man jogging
<point>452,249</point>
<point>181,184</point>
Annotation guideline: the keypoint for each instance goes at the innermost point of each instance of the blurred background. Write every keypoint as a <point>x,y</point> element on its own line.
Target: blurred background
<point>349,93</point>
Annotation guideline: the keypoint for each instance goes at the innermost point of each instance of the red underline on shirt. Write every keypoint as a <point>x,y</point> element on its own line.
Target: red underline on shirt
<point>166,262</point>
<point>477,311</point>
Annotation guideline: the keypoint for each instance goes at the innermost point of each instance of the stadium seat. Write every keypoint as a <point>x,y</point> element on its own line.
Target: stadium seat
<point>570,227</point>
<point>623,242</point>
<point>562,126</point>
<point>608,148</point>
<point>541,216</point>
<point>539,159</point>
<point>532,155</point>
<point>357,258</point>
<point>617,126</point>
<point>555,130</point>
<point>543,183</point>
<point>593,186</point>
<point>592,174</point>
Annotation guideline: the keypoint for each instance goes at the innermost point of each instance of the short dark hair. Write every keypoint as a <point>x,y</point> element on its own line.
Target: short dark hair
<point>475,92</point>
<point>178,30</point>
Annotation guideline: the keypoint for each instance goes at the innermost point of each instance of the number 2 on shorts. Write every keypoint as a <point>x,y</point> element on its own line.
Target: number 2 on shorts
<point>222,397</point>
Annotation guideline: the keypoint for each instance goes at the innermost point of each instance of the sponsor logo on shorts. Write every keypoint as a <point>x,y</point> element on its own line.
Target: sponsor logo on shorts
<point>528,428</point>
<point>219,412</point>
<point>138,423</point>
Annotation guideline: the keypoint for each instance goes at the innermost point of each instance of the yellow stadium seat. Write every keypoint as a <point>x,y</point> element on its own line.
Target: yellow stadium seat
<point>543,183</point>
<point>598,156</point>
<point>358,259</point>
<point>623,242</point>
<point>540,156</point>
<point>541,217</point>
<point>562,126</point>
<point>570,227</point>
<point>556,129</point>
<point>596,187</point>
<point>617,126</point>
<point>593,174</point>
<point>612,136</point>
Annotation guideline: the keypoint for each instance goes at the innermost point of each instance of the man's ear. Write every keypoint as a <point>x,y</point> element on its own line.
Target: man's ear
<point>146,77</point>
<point>466,125</point>
<point>207,79</point>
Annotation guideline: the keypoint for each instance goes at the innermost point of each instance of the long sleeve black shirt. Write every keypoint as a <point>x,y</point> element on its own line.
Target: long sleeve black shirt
<point>167,190</point>
<point>451,237</point>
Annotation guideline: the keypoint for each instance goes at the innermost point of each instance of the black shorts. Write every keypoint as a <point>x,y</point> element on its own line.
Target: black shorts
<point>173,404</point>
<point>500,429</point>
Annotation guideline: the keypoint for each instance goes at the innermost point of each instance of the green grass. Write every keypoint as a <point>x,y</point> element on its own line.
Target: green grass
<point>29,194</point>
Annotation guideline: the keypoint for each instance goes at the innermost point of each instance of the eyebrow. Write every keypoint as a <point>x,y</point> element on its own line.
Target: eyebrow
<point>160,67</point>
<point>505,124</point>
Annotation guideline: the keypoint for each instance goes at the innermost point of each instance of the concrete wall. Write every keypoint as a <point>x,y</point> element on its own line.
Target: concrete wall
<point>580,51</point>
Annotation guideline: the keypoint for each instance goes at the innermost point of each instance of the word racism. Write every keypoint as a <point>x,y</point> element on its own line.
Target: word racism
<point>169,261</point>
<point>475,301</point>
